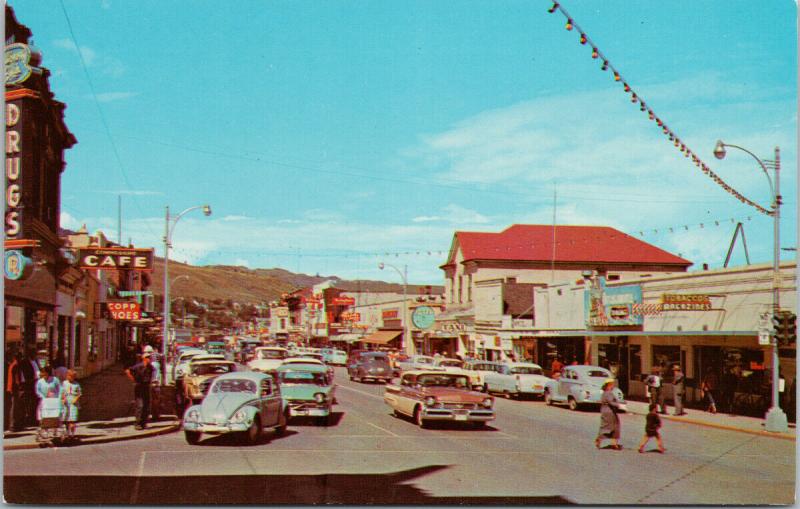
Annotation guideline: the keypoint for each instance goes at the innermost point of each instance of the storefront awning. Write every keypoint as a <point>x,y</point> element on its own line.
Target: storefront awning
<point>349,338</point>
<point>382,337</point>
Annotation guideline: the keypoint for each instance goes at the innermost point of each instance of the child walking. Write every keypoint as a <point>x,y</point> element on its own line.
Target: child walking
<point>651,428</point>
<point>70,394</point>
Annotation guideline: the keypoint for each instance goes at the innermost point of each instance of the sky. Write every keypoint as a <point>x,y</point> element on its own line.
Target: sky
<point>331,136</point>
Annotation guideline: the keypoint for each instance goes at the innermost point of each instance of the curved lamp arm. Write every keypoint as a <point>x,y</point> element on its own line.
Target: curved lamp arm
<point>206,211</point>
<point>719,153</point>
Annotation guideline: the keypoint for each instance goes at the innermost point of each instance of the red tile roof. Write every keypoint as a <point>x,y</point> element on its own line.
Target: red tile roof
<point>534,242</point>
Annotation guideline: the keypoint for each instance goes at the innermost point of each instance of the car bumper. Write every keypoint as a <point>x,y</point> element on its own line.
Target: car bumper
<point>534,389</point>
<point>215,428</point>
<point>302,409</point>
<point>443,414</point>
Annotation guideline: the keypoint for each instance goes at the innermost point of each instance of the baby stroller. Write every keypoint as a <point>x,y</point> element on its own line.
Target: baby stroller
<point>51,422</point>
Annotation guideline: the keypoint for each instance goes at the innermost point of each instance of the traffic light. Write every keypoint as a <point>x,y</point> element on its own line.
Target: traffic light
<point>785,323</point>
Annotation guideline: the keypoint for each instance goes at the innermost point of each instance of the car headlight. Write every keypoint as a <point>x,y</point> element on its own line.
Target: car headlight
<point>587,394</point>
<point>192,416</point>
<point>319,397</point>
<point>239,416</point>
<point>430,401</point>
<point>487,403</point>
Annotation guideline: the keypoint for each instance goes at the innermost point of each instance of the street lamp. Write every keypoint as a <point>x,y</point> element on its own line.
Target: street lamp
<point>168,229</point>
<point>775,419</point>
<point>405,344</point>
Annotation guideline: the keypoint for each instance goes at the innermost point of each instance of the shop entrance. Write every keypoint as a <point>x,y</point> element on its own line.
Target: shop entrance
<point>742,383</point>
<point>622,359</point>
<point>570,350</point>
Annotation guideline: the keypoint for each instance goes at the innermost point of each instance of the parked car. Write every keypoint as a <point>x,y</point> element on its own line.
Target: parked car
<point>308,389</point>
<point>334,356</point>
<point>579,385</point>
<point>517,379</point>
<point>217,347</point>
<point>371,366</point>
<point>480,369</point>
<point>267,358</point>
<point>416,362</point>
<point>240,402</point>
<point>181,364</point>
<point>200,375</point>
<point>427,395</point>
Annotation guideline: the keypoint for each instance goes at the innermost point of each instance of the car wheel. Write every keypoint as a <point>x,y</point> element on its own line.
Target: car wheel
<point>192,437</point>
<point>547,399</point>
<point>573,405</point>
<point>253,433</point>
<point>418,417</point>
<point>479,424</point>
<point>282,424</point>
<point>486,388</point>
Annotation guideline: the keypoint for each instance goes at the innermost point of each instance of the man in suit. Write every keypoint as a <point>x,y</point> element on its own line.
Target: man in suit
<point>678,389</point>
<point>30,372</point>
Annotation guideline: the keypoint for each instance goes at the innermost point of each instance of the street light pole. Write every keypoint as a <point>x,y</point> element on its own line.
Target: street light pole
<point>406,344</point>
<point>775,420</point>
<point>168,229</point>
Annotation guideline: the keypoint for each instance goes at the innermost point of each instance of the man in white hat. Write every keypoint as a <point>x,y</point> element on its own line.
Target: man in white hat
<point>155,391</point>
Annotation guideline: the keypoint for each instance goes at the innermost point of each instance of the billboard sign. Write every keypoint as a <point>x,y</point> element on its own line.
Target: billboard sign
<point>612,306</point>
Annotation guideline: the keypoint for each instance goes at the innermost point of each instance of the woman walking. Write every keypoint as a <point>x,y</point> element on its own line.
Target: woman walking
<point>47,386</point>
<point>610,426</point>
<point>70,394</point>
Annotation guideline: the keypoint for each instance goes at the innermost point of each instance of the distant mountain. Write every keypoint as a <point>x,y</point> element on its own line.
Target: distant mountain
<point>241,284</point>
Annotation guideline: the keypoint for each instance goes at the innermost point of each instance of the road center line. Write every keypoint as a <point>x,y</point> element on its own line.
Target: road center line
<point>382,429</point>
<point>360,392</point>
<point>135,491</point>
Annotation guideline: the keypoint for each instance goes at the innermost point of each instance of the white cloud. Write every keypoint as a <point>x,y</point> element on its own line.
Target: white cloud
<point>106,97</point>
<point>107,65</point>
<point>69,222</point>
<point>88,54</point>
<point>234,217</point>
<point>427,219</point>
<point>454,214</point>
<point>241,262</point>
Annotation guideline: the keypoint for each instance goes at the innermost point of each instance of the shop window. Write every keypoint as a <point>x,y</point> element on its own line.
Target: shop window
<point>460,289</point>
<point>469,288</point>
<point>612,277</point>
<point>664,357</point>
<point>635,352</point>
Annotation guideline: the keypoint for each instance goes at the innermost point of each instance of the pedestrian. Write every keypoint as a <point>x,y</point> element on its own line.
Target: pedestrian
<point>155,390</point>
<point>141,374</point>
<point>70,394</point>
<point>60,370</point>
<point>651,427</point>
<point>30,403</point>
<point>556,367</point>
<point>678,389</point>
<point>15,389</point>
<point>707,387</point>
<point>610,426</point>
<point>655,389</point>
<point>48,386</point>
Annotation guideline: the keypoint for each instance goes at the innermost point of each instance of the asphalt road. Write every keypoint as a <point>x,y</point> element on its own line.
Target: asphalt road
<point>531,454</point>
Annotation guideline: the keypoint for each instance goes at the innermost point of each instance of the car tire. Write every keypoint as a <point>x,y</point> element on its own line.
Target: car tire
<point>283,423</point>
<point>253,433</point>
<point>418,417</point>
<point>573,404</point>
<point>192,437</point>
<point>548,400</point>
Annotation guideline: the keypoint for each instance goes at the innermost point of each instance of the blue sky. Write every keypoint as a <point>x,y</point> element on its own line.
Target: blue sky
<point>330,136</point>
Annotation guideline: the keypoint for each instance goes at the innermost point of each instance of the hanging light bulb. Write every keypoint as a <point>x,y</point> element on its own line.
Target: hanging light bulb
<point>627,87</point>
<point>642,107</point>
<point>616,76</point>
<point>633,98</point>
<point>595,54</point>
<point>651,115</point>
<point>583,38</point>
<point>568,26</point>
<point>605,65</point>
<point>659,122</point>
<point>552,9</point>
<point>665,129</point>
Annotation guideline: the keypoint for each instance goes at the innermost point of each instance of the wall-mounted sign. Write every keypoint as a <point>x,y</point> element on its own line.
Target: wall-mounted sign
<point>390,314</point>
<point>110,258</point>
<point>350,317</point>
<point>18,63</point>
<point>124,310</point>
<point>685,302</point>
<point>612,306</point>
<point>423,317</point>
<point>451,327</point>
<point>17,266</point>
<point>343,301</point>
<point>13,220</point>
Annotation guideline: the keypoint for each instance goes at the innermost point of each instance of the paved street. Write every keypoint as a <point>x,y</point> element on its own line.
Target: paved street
<point>531,454</point>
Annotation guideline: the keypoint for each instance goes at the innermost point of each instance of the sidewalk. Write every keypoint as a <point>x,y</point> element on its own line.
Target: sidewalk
<point>106,414</point>
<point>730,422</point>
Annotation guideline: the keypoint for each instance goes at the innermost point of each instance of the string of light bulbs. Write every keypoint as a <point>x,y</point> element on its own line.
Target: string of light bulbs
<point>584,39</point>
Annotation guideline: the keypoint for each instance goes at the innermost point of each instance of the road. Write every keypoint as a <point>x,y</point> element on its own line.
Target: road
<point>531,454</point>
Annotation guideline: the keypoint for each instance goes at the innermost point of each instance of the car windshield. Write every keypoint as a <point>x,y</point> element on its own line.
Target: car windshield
<point>424,360</point>
<point>272,354</point>
<point>212,369</point>
<point>455,364</point>
<point>234,385</point>
<point>526,370</point>
<point>598,373</point>
<point>311,356</point>
<point>442,380</point>
<point>303,377</point>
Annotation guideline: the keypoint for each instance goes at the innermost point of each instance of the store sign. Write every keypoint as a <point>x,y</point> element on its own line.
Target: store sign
<point>343,301</point>
<point>612,306</point>
<point>350,317</point>
<point>13,220</point>
<point>685,302</point>
<point>109,258</point>
<point>423,317</point>
<point>388,314</point>
<point>124,310</point>
<point>18,66</point>
<point>17,266</point>
<point>451,327</point>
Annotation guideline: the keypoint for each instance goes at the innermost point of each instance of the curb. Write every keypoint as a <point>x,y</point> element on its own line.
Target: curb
<point>763,433</point>
<point>104,440</point>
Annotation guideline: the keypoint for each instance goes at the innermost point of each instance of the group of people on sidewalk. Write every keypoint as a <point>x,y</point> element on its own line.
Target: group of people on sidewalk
<point>28,382</point>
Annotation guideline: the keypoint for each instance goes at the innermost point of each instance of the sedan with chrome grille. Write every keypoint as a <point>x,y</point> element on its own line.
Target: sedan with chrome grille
<point>200,376</point>
<point>308,390</point>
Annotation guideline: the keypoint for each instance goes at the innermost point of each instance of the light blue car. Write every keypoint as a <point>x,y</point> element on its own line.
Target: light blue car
<point>333,356</point>
<point>308,390</point>
<point>578,386</point>
<point>241,402</point>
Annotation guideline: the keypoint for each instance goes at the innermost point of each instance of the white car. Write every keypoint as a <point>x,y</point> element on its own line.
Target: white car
<point>479,370</point>
<point>179,369</point>
<point>416,362</point>
<point>307,360</point>
<point>517,379</point>
<point>579,385</point>
<point>267,358</point>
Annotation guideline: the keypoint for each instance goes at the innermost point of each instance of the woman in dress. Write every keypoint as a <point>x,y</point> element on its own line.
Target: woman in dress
<point>70,394</point>
<point>47,386</point>
<point>609,420</point>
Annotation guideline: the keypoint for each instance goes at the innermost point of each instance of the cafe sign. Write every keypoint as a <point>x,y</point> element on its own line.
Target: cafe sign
<point>111,258</point>
<point>685,302</point>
